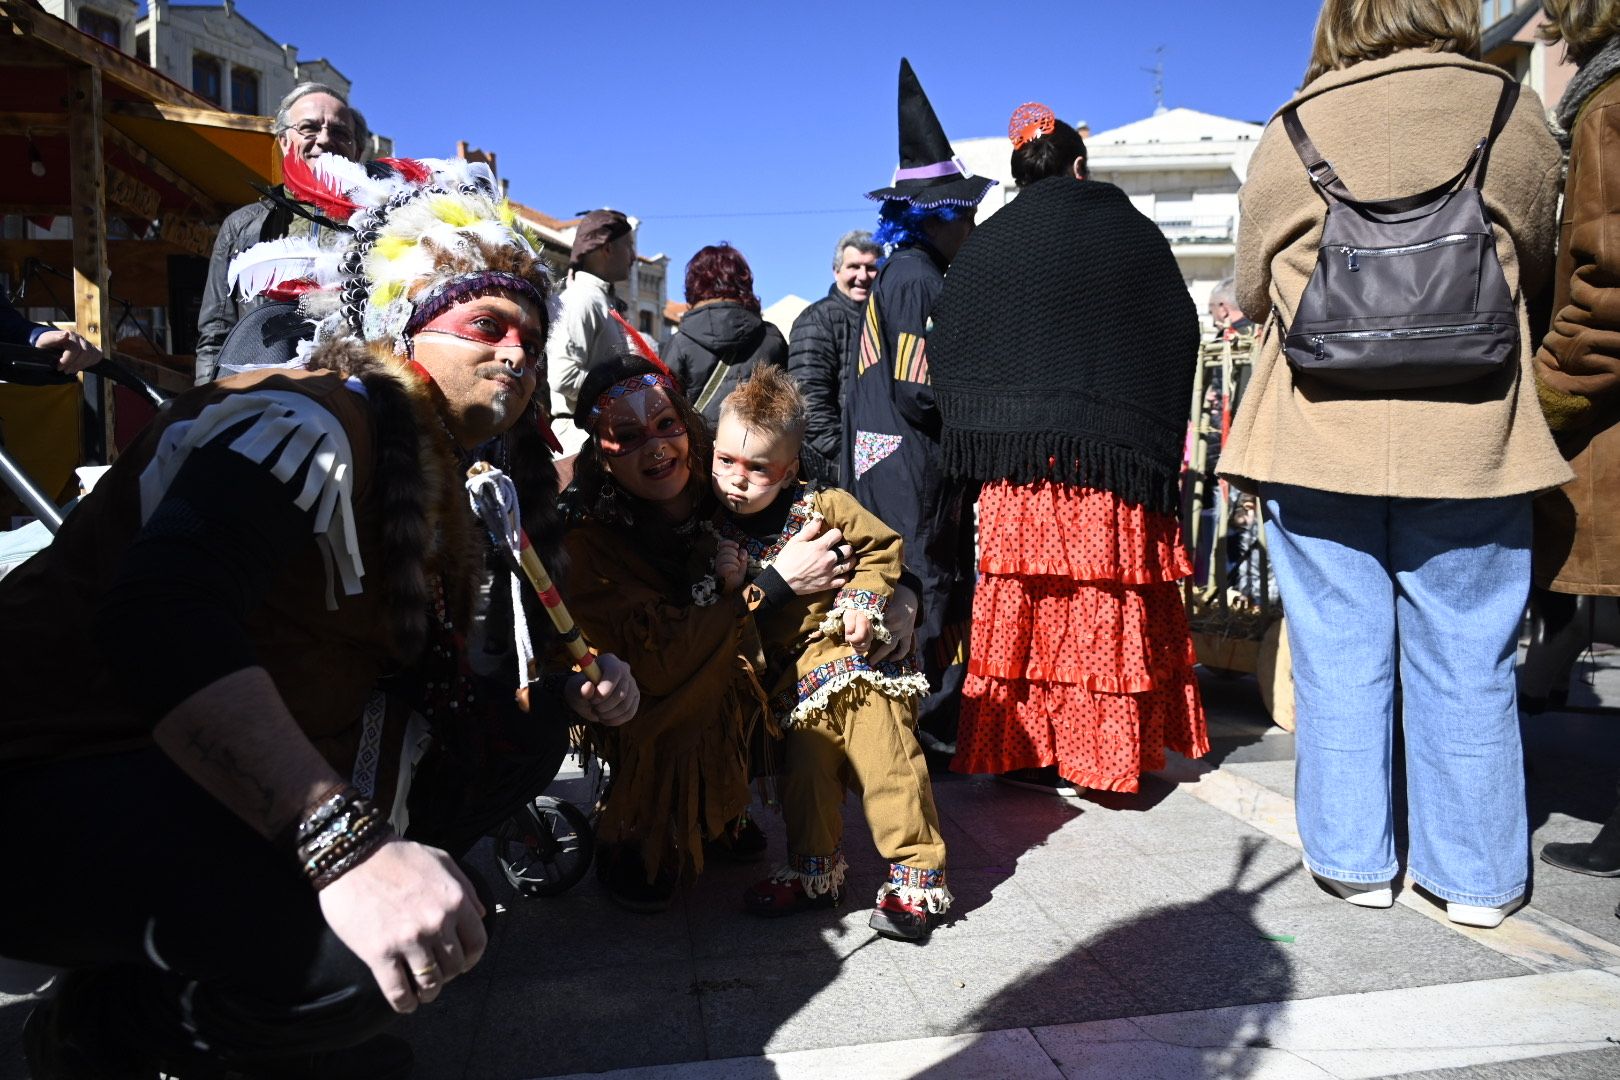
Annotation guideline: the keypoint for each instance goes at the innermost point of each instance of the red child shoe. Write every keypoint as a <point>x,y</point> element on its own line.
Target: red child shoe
<point>772,898</point>
<point>900,919</point>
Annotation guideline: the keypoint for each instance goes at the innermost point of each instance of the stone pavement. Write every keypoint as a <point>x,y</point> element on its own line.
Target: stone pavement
<point>1173,934</point>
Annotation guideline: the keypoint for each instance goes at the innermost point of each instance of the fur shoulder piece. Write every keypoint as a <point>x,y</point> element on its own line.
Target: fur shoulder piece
<point>415,492</point>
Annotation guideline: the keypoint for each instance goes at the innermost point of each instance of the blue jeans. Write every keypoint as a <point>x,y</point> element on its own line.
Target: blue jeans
<point>1439,586</point>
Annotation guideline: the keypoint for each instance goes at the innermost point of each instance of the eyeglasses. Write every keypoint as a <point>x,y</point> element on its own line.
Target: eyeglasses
<point>308,129</point>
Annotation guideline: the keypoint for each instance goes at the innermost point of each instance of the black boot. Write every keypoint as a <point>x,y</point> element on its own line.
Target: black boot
<point>1560,629</point>
<point>1598,858</point>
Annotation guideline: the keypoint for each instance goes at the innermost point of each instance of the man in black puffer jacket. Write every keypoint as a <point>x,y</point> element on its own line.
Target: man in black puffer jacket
<point>819,347</point>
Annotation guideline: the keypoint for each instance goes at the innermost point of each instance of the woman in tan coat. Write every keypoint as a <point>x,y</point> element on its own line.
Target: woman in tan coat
<point>1577,549</point>
<point>1399,521</point>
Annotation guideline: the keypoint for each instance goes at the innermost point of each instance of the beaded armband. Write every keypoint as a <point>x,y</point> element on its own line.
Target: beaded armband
<point>338,835</point>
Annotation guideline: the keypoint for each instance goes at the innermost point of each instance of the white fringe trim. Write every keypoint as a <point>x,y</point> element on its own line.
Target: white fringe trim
<point>312,435</point>
<point>898,687</point>
<point>815,884</point>
<point>832,624</point>
<point>937,901</point>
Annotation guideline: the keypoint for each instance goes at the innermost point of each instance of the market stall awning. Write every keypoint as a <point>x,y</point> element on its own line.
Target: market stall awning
<point>172,150</point>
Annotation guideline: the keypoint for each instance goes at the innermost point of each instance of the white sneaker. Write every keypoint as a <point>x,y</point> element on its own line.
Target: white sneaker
<point>1486,918</point>
<point>1362,895</point>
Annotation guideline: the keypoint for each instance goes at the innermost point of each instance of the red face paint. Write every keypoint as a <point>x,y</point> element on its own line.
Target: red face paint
<point>484,324</point>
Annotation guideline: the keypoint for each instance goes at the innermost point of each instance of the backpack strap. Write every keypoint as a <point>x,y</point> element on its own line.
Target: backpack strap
<point>1332,188</point>
<point>1482,152</point>
<point>1318,168</point>
<point>712,385</point>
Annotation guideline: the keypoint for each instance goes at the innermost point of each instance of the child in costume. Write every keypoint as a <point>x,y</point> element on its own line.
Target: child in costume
<point>847,722</point>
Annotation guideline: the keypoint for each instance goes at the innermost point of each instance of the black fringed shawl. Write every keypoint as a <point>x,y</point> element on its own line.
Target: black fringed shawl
<point>1063,347</point>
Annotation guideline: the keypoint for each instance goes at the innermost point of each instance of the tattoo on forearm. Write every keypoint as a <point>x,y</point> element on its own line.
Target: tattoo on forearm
<point>256,796</point>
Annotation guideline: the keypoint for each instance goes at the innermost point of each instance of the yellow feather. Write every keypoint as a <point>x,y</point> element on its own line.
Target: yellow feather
<point>392,247</point>
<point>387,292</point>
<point>452,212</point>
<point>506,213</point>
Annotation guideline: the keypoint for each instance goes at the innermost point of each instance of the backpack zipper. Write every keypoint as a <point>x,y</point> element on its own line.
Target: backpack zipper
<point>1319,341</point>
<point>1351,254</point>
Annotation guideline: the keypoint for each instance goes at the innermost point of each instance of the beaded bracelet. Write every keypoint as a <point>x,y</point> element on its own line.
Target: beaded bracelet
<point>338,835</point>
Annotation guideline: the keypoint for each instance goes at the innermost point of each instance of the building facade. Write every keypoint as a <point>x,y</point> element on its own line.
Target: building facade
<point>645,295</point>
<point>1510,40</point>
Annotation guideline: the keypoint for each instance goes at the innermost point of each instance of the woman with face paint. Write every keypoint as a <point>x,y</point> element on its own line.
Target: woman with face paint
<point>645,584</point>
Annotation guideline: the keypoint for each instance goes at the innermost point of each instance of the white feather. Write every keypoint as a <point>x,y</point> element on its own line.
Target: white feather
<point>263,266</point>
<point>350,178</point>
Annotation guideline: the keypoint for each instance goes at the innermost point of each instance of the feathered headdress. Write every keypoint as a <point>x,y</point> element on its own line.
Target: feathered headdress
<point>422,235</point>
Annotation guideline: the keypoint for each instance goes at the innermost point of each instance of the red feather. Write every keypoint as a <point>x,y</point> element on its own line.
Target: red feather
<point>414,171</point>
<point>639,343</point>
<point>308,187</point>
<point>290,290</point>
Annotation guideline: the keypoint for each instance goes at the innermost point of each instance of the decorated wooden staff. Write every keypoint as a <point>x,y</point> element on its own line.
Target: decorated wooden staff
<point>494,500</point>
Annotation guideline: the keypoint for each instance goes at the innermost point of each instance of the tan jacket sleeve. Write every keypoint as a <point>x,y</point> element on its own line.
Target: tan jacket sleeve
<point>878,550</point>
<point>1578,364</point>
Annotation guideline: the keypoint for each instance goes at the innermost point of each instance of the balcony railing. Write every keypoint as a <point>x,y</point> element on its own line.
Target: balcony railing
<point>1198,230</point>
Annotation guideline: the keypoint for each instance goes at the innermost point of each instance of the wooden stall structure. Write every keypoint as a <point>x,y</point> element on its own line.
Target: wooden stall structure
<point>1237,627</point>
<point>91,134</point>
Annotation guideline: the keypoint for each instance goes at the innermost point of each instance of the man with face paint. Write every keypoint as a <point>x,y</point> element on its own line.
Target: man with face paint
<point>848,711</point>
<point>265,612</point>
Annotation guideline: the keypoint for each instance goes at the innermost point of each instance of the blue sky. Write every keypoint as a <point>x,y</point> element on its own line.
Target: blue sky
<point>742,121</point>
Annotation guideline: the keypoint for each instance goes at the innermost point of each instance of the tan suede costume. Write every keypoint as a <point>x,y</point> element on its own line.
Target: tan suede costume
<point>680,768</point>
<point>848,724</point>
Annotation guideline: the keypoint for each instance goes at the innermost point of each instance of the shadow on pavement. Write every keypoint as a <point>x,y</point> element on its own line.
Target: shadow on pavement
<point>1157,963</point>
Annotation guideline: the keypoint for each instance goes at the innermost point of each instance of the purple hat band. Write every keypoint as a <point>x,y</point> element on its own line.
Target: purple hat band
<point>465,287</point>
<point>952,167</point>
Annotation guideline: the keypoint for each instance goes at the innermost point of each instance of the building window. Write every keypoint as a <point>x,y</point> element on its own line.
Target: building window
<point>101,27</point>
<point>1492,12</point>
<point>143,47</point>
<point>646,322</point>
<point>244,91</point>
<point>207,77</point>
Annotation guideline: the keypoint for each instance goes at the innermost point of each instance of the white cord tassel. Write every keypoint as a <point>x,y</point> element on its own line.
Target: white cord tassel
<point>527,672</point>
<point>506,498</point>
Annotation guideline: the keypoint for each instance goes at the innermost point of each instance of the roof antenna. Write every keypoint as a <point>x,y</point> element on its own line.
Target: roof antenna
<point>1157,71</point>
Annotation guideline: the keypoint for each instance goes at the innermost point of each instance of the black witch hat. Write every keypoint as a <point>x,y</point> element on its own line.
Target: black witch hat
<point>930,174</point>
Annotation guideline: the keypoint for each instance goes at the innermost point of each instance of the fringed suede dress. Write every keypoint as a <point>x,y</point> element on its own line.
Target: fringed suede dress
<point>680,768</point>
<point>1063,352</point>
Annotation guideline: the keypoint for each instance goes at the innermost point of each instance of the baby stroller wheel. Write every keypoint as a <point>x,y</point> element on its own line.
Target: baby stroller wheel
<point>546,847</point>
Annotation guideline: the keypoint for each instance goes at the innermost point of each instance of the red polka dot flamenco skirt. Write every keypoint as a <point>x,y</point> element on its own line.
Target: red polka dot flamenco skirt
<point>1080,655</point>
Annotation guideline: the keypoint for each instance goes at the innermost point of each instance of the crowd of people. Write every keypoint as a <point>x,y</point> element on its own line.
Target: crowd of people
<point>291,677</point>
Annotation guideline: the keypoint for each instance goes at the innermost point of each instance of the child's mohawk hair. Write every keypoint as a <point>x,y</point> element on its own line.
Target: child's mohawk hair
<point>769,401</point>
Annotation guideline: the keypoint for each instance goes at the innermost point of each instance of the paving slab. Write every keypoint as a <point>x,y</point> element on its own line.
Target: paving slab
<point>1276,776</point>
<point>1362,1036</point>
<point>1015,980</point>
<point>607,1018</point>
<point>1368,949</point>
<point>806,1000</point>
<point>1174,960</point>
<point>992,1056</point>
<point>1587,1065</point>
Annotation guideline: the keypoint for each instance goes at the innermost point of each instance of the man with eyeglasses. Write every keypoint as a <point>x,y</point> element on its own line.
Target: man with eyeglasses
<point>313,119</point>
